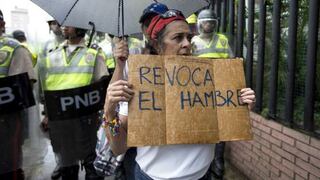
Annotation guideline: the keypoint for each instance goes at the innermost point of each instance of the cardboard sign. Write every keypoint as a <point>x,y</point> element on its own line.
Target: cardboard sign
<point>76,102</point>
<point>15,93</point>
<point>186,100</point>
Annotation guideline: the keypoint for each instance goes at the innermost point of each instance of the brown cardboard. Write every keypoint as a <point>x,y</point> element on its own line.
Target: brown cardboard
<point>182,100</point>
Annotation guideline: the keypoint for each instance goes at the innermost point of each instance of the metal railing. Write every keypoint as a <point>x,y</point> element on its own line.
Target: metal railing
<point>242,17</point>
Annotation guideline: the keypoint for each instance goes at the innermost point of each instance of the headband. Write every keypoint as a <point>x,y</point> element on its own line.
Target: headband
<point>158,23</point>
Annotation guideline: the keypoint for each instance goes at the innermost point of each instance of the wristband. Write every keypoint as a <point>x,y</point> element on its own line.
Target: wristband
<point>114,125</point>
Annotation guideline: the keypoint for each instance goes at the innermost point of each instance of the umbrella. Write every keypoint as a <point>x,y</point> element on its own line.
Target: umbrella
<point>106,15</point>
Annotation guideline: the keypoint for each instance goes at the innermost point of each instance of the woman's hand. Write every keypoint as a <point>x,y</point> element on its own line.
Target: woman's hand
<point>247,95</point>
<point>118,91</point>
<point>120,51</point>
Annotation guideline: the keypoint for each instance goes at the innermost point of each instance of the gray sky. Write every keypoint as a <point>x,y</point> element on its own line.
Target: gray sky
<point>37,26</point>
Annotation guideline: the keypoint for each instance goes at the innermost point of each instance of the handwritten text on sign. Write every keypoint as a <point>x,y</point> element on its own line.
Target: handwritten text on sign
<point>183,100</point>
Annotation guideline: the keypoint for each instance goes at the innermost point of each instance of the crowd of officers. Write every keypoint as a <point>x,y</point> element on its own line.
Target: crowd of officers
<point>65,61</point>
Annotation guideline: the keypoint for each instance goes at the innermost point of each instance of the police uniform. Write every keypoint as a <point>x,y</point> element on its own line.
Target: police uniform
<point>218,47</point>
<point>135,45</point>
<point>73,139</point>
<point>14,59</point>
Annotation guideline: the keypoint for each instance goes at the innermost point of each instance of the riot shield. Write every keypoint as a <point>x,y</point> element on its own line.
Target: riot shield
<point>76,102</point>
<point>74,120</point>
<point>15,93</point>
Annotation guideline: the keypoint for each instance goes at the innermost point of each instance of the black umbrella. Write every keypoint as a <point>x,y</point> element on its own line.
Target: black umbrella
<point>110,16</point>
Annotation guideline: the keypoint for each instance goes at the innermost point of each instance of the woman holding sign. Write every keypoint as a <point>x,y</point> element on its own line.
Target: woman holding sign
<point>170,35</point>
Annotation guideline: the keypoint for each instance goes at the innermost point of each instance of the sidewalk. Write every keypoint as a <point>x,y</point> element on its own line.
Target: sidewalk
<point>42,167</point>
<point>232,173</point>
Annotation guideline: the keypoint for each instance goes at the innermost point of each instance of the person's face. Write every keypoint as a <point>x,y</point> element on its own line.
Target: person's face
<point>208,26</point>
<point>55,28</point>
<point>176,39</point>
<point>69,32</point>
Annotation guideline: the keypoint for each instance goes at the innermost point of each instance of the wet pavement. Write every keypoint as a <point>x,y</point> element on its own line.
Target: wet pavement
<point>40,162</point>
<point>39,159</point>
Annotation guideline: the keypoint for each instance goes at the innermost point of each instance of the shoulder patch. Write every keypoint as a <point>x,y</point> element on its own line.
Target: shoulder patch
<point>90,58</point>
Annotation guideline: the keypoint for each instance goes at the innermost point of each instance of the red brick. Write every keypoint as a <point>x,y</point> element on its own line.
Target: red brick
<point>297,135</point>
<point>262,141</point>
<point>253,175</point>
<point>303,173</point>
<point>284,176</point>
<point>313,177</point>
<point>255,117</point>
<point>264,172</point>
<point>256,150</point>
<point>282,137</point>
<point>271,154</point>
<point>254,156</point>
<point>271,139</point>
<point>256,131</point>
<point>297,177</point>
<point>308,167</point>
<point>246,144</point>
<point>275,176</point>
<point>296,152</point>
<point>264,156</point>
<point>244,155</point>
<point>234,156</point>
<point>308,149</point>
<point>256,144</point>
<point>282,168</point>
<point>248,167</point>
<point>273,125</point>
<point>283,153</point>
<point>315,143</point>
<point>315,161</point>
<point>274,170</point>
<point>264,128</point>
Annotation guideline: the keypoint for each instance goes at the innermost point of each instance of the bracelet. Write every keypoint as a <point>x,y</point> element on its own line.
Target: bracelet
<point>114,125</point>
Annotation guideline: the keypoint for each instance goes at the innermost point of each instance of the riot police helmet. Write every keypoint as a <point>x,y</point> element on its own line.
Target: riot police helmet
<point>207,21</point>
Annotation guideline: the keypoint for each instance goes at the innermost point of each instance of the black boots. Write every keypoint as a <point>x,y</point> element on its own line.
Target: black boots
<point>15,175</point>
<point>91,172</point>
<point>56,174</point>
<point>218,161</point>
<point>70,172</point>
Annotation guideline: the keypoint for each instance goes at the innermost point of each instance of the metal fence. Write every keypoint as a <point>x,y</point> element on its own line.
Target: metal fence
<point>279,41</point>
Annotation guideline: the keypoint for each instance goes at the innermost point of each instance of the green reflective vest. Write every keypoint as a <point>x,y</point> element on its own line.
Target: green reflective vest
<point>33,54</point>
<point>217,48</point>
<point>135,46</point>
<point>62,72</point>
<point>7,47</point>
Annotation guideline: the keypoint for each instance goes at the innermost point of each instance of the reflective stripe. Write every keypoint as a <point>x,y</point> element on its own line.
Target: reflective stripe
<point>75,60</point>
<point>70,69</point>
<point>214,55</point>
<point>210,50</point>
<point>110,63</point>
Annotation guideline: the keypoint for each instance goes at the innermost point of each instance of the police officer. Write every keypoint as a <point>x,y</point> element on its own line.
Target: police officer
<point>14,59</point>
<point>73,65</point>
<point>57,39</point>
<point>21,37</point>
<point>209,43</point>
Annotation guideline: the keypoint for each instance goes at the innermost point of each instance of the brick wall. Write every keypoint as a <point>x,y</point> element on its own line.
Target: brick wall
<point>276,152</point>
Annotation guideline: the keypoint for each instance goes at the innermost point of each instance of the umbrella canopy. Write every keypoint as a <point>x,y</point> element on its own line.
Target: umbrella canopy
<point>105,13</point>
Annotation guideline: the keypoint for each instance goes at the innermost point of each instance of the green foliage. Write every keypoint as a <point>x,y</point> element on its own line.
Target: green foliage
<point>300,70</point>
